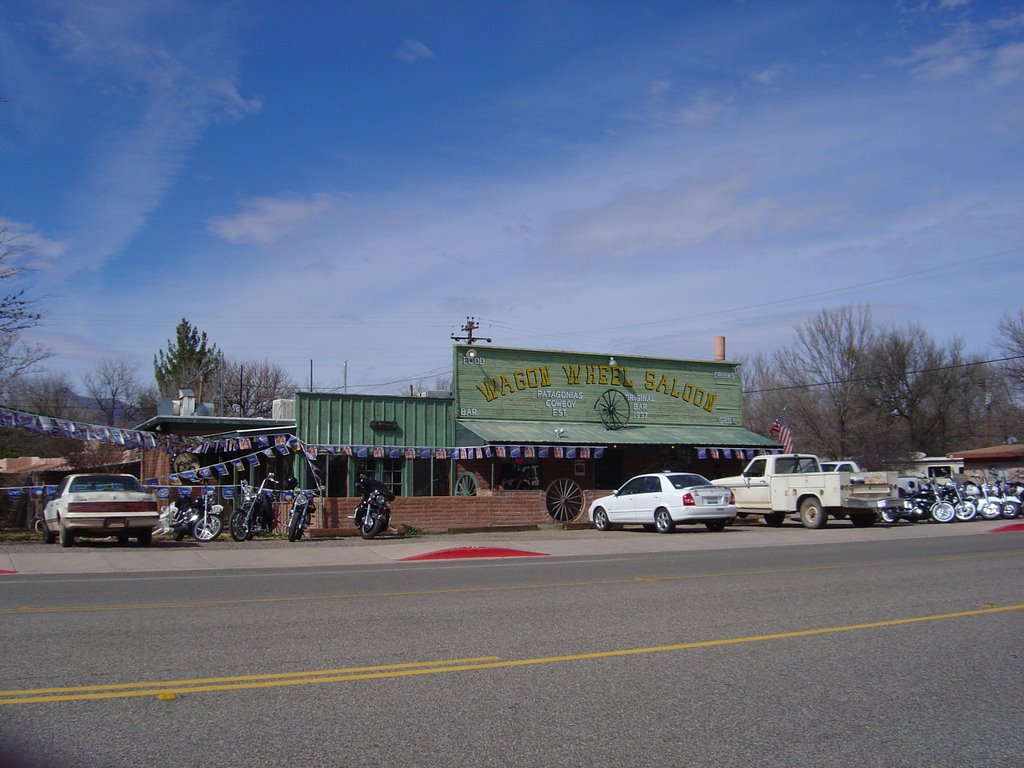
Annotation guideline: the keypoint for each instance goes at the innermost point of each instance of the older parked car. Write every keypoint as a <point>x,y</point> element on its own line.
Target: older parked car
<point>662,500</point>
<point>100,505</point>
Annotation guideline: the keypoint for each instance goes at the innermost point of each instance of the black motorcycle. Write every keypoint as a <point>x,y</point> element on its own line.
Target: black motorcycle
<point>303,507</point>
<point>198,517</point>
<point>373,514</point>
<point>256,512</point>
<point>924,504</point>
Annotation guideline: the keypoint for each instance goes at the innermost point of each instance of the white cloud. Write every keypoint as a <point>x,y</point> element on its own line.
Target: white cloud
<point>413,50</point>
<point>30,248</point>
<point>704,109</point>
<point>659,87</point>
<point>768,76</point>
<point>1008,63</point>
<point>166,97</point>
<point>265,220</point>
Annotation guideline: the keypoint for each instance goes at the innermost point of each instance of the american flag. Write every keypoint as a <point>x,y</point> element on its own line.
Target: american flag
<point>780,431</point>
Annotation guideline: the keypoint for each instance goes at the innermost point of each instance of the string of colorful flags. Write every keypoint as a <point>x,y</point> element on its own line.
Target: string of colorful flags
<point>274,445</point>
<point>733,453</point>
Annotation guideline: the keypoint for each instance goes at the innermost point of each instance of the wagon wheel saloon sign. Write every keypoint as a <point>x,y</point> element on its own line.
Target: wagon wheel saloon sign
<point>618,393</point>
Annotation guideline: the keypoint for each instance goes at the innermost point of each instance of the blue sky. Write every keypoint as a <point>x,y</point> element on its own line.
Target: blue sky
<point>334,181</point>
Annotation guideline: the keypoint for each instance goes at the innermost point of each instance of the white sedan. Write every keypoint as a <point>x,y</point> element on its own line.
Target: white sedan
<point>100,505</point>
<point>661,500</point>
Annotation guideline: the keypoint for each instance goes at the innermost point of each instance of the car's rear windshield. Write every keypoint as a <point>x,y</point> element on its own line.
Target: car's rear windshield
<point>98,483</point>
<point>688,480</point>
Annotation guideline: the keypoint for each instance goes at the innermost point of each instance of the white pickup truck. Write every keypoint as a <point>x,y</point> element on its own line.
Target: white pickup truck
<point>776,485</point>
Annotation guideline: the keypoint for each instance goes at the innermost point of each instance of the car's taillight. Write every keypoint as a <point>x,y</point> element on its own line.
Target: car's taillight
<point>688,500</point>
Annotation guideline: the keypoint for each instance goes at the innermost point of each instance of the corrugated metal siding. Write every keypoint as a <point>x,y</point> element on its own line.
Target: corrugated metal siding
<point>340,419</point>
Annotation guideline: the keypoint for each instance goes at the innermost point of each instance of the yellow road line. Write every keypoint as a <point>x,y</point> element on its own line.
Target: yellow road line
<point>239,678</point>
<point>116,607</point>
<point>392,671</point>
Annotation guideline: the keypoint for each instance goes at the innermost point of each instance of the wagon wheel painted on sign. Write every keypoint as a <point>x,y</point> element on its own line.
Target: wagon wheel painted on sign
<point>466,485</point>
<point>564,499</point>
<point>613,409</point>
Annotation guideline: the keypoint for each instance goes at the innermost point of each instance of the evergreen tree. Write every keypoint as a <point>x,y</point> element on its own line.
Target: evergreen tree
<point>189,362</point>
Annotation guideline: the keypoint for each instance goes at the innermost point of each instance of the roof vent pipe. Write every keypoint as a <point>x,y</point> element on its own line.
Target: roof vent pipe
<point>719,347</point>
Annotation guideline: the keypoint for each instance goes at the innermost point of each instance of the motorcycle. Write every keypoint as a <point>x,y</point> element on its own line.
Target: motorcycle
<point>1010,493</point>
<point>256,512</point>
<point>924,504</point>
<point>986,499</point>
<point>303,507</point>
<point>199,517</point>
<point>964,506</point>
<point>373,514</point>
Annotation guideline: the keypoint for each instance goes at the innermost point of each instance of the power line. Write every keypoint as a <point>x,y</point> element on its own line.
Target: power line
<point>860,379</point>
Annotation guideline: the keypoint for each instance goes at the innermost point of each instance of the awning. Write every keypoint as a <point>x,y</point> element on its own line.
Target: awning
<point>573,433</point>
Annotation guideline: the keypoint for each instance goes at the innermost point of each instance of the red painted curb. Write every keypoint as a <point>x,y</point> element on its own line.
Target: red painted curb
<point>1008,528</point>
<point>7,573</point>
<point>465,552</point>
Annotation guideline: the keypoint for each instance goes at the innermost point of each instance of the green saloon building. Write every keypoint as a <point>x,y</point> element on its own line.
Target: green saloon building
<point>534,432</point>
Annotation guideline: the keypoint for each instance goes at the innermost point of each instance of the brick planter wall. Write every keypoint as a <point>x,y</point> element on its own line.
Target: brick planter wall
<point>439,514</point>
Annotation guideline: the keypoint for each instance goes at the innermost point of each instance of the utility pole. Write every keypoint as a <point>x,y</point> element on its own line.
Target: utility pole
<point>470,326</point>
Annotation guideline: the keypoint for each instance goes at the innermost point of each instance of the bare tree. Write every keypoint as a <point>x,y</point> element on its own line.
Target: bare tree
<point>48,394</point>
<point>250,387</point>
<point>828,361</point>
<point>1011,343</point>
<point>117,394</point>
<point>17,314</point>
<point>764,394</point>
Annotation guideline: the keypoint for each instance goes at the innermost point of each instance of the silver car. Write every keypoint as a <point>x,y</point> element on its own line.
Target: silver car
<point>662,500</point>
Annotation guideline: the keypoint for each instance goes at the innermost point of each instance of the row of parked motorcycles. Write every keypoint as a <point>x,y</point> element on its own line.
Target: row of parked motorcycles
<point>202,519</point>
<point>952,501</point>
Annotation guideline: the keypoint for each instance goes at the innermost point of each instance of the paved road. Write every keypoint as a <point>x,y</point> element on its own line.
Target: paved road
<point>165,555</point>
<point>753,647</point>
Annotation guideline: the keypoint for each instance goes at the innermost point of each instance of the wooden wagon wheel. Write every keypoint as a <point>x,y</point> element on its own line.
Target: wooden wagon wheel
<point>613,409</point>
<point>564,499</point>
<point>466,485</point>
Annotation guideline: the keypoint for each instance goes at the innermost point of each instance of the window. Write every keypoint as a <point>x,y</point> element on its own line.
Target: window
<point>631,487</point>
<point>387,471</point>
<point>687,481</point>
<point>652,484</point>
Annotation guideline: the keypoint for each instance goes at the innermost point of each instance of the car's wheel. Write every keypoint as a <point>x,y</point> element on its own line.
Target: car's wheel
<point>775,519</point>
<point>715,525</point>
<point>601,521</point>
<point>663,521</point>
<point>67,538</point>
<point>145,538</point>
<point>863,519</point>
<point>47,535</point>
<point>812,514</point>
